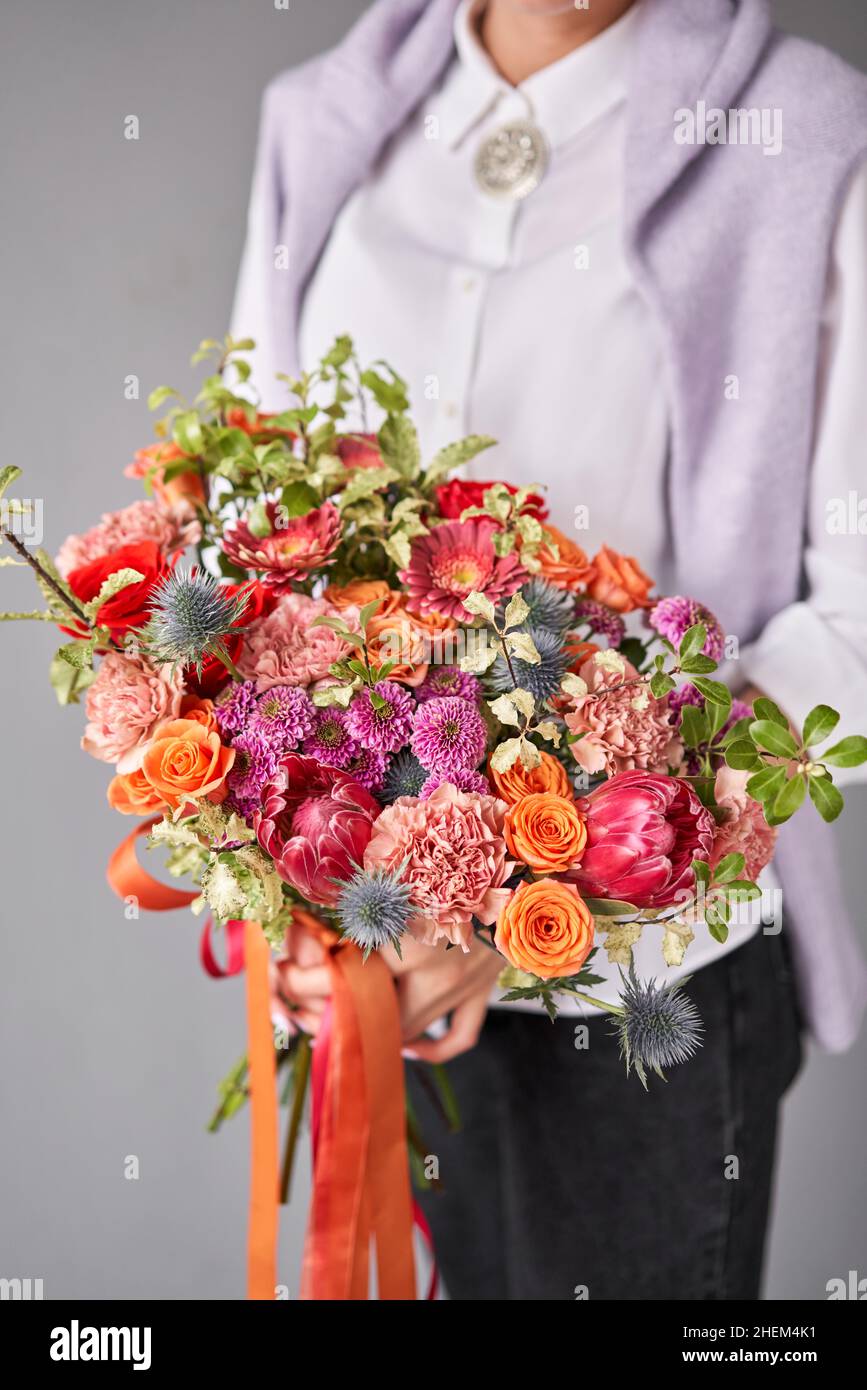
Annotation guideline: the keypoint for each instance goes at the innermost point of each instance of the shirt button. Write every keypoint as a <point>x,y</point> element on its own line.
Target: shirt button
<point>451,409</point>
<point>470,284</point>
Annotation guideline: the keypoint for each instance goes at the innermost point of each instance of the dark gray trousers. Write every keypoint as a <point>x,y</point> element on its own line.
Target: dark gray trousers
<point>568,1180</point>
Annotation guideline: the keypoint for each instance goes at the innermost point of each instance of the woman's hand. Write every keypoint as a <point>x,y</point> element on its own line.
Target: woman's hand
<point>300,981</point>
<point>433,982</point>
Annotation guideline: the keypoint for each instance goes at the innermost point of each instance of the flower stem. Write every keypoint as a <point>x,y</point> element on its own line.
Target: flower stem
<point>46,577</point>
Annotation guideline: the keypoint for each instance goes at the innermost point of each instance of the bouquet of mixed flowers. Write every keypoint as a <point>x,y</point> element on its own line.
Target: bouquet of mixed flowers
<point>408,704</point>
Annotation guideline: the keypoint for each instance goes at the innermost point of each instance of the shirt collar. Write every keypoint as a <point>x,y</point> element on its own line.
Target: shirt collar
<point>562,99</point>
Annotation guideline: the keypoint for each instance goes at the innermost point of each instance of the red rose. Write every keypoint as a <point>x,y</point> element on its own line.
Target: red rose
<point>129,608</point>
<point>454,497</point>
<point>260,601</point>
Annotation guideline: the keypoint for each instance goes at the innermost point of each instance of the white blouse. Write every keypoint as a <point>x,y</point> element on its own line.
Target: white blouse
<point>521,319</point>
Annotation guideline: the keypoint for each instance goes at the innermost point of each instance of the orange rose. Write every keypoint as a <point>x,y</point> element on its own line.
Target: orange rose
<point>546,929</point>
<point>571,569</point>
<point>132,794</point>
<point>201,710</point>
<point>519,781</point>
<point>185,762</point>
<point>414,638</point>
<point>151,463</point>
<point>546,832</point>
<point>362,591</point>
<point>620,582</point>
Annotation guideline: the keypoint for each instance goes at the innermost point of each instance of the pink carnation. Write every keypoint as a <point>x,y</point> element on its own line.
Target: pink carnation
<point>450,849</point>
<point>284,648</point>
<point>623,730</point>
<point>173,528</point>
<point>744,829</point>
<point>124,704</point>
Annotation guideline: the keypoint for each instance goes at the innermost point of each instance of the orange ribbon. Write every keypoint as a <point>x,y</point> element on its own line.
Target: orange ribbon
<point>129,880</point>
<point>361,1183</point>
<point>264,1159</point>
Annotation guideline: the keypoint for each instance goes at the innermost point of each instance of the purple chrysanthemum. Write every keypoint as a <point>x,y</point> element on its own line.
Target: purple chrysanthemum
<point>685,695</point>
<point>448,680</point>
<point>283,716</point>
<point>450,735</point>
<point>369,768</point>
<point>383,723</point>
<point>233,707</point>
<point>329,741</point>
<point>464,781</point>
<point>671,618</point>
<point>688,695</point>
<point>601,620</point>
<point>255,764</point>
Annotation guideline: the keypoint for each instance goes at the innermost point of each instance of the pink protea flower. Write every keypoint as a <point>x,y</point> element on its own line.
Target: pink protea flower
<point>452,561</point>
<point>124,705</point>
<point>743,829</point>
<point>451,851</point>
<point>643,833</point>
<point>383,723</point>
<point>284,648</point>
<point>672,617</point>
<point>173,528</point>
<point>294,546</point>
<point>450,735</point>
<point>315,822</point>
<point>625,729</point>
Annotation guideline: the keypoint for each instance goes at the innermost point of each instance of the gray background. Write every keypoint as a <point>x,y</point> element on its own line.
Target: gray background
<point>117,257</point>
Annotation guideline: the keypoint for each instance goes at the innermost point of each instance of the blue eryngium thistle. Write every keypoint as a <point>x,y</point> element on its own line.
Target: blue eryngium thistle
<point>659,1026</point>
<point>373,909</point>
<point>550,607</point>
<point>191,617</point>
<point>543,678</point>
<point>405,776</point>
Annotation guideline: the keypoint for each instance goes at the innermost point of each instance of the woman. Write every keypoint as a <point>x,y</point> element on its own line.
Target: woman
<point>629,241</point>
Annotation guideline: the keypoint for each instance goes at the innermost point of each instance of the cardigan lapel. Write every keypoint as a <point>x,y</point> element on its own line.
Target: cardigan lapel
<point>366,89</point>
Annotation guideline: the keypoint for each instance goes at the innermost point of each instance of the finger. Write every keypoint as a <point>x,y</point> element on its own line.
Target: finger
<point>463,1034</point>
<point>305,948</point>
<point>297,982</point>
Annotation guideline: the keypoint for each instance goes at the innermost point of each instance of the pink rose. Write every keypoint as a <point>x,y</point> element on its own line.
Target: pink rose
<point>284,648</point>
<point>124,704</point>
<point>172,527</point>
<point>450,849</point>
<point>624,730</point>
<point>744,829</point>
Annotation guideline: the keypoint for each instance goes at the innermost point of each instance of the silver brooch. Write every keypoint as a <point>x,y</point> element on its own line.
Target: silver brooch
<point>511,163</point>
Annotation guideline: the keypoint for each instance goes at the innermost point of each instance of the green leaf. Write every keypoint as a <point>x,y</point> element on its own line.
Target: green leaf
<point>633,650</point>
<point>297,499</point>
<point>187,430</point>
<point>694,726</point>
<point>742,756</point>
<point>714,691</point>
<point>522,646</point>
<point>716,920</point>
<point>770,735</point>
<point>819,723</point>
<point>789,798</point>
<point>364,482</point>
<point>389,395</point>
<point>8,475</point>
<point>160,395</point>
<point>111,587</point>
<point>701,869</point>
<point>692,641</point>
<point>763,708</point>
<point>516,612</point>
<point>825,797</point>
<point>766,784</point>
<point>849,752</point>
<point>610,907</point>
<point>728,868</point>
<point>68,681</point>
<point>453,455</point>
<point>698,665</point>
<point>660,684</point>
<point>398,443</point>
<point>480,605</point>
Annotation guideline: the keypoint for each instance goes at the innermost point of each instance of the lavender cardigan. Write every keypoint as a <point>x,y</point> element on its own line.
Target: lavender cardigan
<point>730,246</point>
